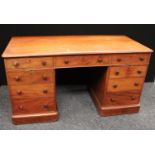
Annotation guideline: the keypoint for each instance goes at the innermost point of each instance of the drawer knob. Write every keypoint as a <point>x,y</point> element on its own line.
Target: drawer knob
<point>44,63</point>
<point>116,73</point>
<point>45,91</point>
<point>133,97</point>
<point>66,61</point>
<point>44,77</point>
<point>119,59</point>
<point>136,84</point>
<point>139,72</point>
<point>141,59</point>
<point>19,92</point>
<point>21,107</point>
<point>99,60</point>
<point>17,78</point>
<point>45,106</point>
<point>16,64</point>
<point>112,100</point>
<point>115,86</point>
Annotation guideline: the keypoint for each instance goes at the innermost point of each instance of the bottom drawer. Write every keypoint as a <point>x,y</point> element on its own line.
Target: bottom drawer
<point>118,99</point>
<point>33,105</point>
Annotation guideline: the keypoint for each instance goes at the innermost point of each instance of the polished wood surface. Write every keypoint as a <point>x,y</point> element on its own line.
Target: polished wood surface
<point>115,84</point>
<point>71,45</point>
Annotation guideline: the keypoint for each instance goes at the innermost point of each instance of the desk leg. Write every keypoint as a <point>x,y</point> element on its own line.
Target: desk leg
<point>111,103</point>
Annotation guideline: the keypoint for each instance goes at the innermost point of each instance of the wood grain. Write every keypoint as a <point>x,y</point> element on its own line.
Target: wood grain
<point>127,71</point>
<point>24,77</point>
<point>71,45</point>
<point>127,84</point>
<point>81,61</point>
<point>29,63</point>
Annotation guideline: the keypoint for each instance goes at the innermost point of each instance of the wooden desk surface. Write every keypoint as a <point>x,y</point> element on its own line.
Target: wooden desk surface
<point>28,46</point>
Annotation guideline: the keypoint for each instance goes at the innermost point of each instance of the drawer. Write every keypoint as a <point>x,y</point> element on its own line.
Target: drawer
<point>22,77</point>
<point>118,99</point>
<point>29,63</point>
<point>81,61</point>
<point>130,59</point>
<point>128,71</point>
<point>33,105</point>
<point>39,90</point>
<point>128,84</point>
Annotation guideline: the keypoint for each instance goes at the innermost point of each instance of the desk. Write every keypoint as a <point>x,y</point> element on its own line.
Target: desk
<point>31,63</point>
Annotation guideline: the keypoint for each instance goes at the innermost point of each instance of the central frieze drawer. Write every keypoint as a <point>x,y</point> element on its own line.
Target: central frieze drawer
<point>81,61</point>
<point>38,90</point>
<point>33,105</point>
<point>127,84</point>
<point>29,63</point>
<point>22,77</point>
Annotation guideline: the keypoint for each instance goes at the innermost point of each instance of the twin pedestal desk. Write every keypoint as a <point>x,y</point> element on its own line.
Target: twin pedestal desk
<point>31,64</point>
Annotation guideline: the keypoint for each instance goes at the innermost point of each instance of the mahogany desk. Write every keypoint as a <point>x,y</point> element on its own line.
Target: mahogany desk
<point>31,62</point>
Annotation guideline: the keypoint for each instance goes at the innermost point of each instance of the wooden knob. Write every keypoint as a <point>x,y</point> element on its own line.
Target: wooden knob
<point>45,106</point>
<point>44,63</point>
<point>136,84</point>
<point>139,72</point>
<point>115,86</point>
<point>19,92</point>
<point>16,64</point>
<point>119,59</point>
<point>116,73</point>
<point>17,78</point>
<point>45,91</point>
<point>21,107</point>
<point>112,100</point>
<point>141,59</point>
<point>99,60</point>
<point>133,97</point>
<point>66,61</point>
<point>44,77</point>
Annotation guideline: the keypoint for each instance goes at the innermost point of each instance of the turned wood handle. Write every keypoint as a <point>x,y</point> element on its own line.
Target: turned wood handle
<point>17,78</point>
<point>141,59</point>
<point>44,77</point>
<point>115,86</point>
<point>119,59</point>
<point>139,72</point>
<point>99,60</point>
<point>44,63</point>
<point>45,106</point>
<point>16,64</point>
<point>116,73</point>
<point>45,91</point>
<point>66,61</point>
<point>133,97</point>
<point>21,107</point>
<point>136,84</point>
<point>19,92</point>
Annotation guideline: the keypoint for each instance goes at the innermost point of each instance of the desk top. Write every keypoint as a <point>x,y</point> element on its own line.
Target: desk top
<point>28,46</point>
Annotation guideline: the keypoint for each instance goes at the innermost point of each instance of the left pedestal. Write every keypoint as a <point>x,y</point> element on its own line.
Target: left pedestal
<point>31,83</point>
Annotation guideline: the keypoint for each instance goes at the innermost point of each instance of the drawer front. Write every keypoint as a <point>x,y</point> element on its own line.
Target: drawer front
<point>25,91</point>
<point>128,84</point>
<point>29,63</point>
<point>128,71</point>
<point>130,59</point>
<point>30,77</point>
<point>33,105</point>
<point>118,99</point>
<point>81,61</point>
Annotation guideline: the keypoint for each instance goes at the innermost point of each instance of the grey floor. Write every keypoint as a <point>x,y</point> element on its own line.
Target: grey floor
<point>77,111</point>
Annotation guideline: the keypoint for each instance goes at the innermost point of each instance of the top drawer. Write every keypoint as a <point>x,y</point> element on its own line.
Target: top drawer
<point>29,63</point>
<point>81,61</point>
<point>130,59</point>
